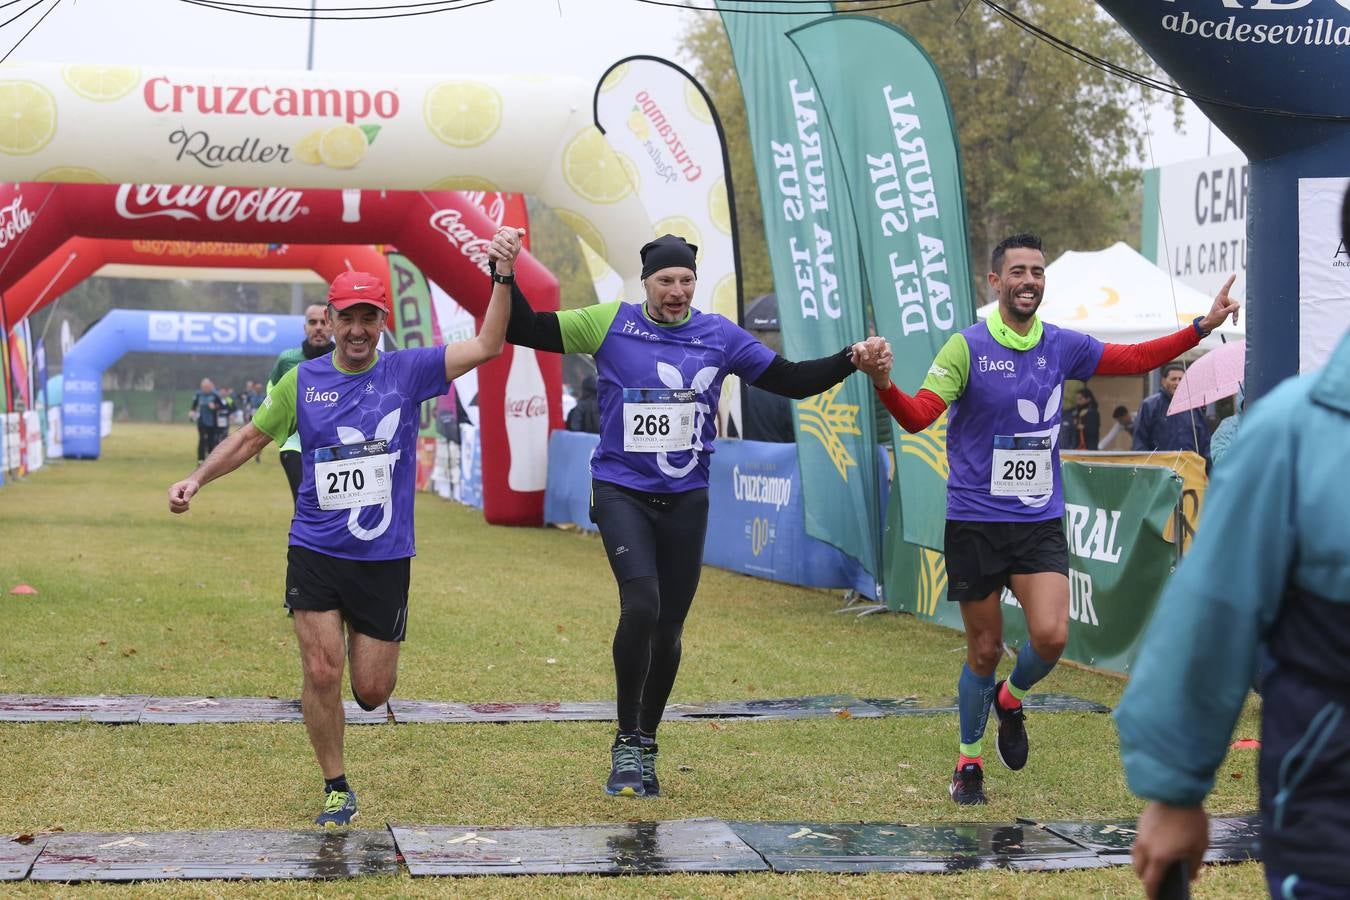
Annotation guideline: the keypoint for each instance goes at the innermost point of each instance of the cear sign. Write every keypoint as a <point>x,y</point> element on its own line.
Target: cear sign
<point>208,328</point>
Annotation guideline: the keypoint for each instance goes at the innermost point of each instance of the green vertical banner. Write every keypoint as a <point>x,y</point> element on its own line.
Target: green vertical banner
<point>813,248</point>
<point>1114,519</point>
<point>892,123</point>
<point>413,322</point>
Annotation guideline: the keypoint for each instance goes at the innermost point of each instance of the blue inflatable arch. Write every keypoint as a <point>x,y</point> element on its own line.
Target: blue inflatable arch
<point>124,331</point>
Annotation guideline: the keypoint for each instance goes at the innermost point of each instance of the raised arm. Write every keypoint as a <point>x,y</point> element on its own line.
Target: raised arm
<point>487,344</point>
<point>1136,359</point>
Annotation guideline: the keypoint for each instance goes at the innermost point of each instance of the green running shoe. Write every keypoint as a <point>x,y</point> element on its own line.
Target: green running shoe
<point>625,773</point>
<point>339,808</point>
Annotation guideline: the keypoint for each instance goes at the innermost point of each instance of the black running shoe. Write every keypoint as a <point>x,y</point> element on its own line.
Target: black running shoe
<point>650,784</point>
<point>625,773</point>
<point>967,786</point>
<point>1012,733</point>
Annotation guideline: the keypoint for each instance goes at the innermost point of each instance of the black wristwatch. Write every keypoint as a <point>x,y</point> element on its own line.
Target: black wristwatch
<point>499,279</point>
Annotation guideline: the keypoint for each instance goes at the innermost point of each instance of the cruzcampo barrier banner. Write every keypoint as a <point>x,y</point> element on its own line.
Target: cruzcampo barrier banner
<point>892,123</point>
<point>813,245</point>
<point>657,115</point>
<point>1119,560</point>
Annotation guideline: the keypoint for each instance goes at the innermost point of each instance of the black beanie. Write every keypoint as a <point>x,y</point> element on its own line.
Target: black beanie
<point>668,251</point>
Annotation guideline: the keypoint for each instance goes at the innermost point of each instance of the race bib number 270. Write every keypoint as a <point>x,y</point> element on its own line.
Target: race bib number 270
<point>351,475</point>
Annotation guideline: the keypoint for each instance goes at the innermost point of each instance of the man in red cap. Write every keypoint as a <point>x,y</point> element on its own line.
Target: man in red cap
<point>351,538</point>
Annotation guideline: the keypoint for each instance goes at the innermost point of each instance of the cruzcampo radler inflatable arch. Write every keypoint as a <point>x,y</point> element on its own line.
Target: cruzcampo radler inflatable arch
<point>443,233</point>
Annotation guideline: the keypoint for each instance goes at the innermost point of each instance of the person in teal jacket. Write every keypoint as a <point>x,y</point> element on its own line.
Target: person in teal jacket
<point>1270,564</point>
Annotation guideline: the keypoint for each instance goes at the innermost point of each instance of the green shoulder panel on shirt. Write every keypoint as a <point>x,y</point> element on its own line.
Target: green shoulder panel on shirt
<point>584,330</point>
<point>950,371</point>
<point>276,416</point>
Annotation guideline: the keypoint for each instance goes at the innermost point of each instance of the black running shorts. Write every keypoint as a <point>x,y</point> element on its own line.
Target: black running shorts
<point>982,556</point>
<point>371,595</point>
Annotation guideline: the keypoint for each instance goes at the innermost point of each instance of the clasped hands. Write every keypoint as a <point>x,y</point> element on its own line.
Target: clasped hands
<point>874,358</point>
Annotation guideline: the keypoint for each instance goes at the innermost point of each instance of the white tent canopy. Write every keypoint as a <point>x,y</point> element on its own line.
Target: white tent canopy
<point>1117,295</point>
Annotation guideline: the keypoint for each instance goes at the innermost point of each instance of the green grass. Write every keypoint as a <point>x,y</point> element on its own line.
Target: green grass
<point>133,600</point>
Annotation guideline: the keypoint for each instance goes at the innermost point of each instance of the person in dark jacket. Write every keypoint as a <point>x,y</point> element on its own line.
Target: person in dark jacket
<point>1087,421</point>
<point>585,416</point>
<point>1154,429</point>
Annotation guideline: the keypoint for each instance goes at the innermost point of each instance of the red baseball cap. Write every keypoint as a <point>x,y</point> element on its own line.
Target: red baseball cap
<point>351,288</point>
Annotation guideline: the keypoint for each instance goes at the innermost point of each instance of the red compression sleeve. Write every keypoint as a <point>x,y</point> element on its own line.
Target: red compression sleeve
<point>913,413</point>
<point>1136,359</point>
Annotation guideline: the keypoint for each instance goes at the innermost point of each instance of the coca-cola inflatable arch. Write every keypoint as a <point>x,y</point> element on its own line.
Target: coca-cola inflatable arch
<point>442,232</point>
<point>80,257</point>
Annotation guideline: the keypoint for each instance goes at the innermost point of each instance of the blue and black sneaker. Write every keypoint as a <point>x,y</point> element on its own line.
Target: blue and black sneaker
<point>625,773</point>
<point>1012,741</point>
<point>967,785</point>
<point>339,808</point>
<point>650,785</point>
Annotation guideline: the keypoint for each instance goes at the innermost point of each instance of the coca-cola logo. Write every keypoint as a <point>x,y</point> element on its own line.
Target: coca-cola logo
<point>14,221</point>
<point>449,222</point>
<point>527,408</point>
<point>492,203</point>
<point>216,204</point>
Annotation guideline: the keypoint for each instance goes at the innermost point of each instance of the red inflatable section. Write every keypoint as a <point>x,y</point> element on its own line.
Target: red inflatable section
<point>80,257</point>
<point>442,232</point>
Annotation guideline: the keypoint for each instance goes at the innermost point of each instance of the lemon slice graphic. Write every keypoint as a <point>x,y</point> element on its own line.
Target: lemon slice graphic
<point>684,227</point>
<point>307,150</point>
<point>27,117</point>
<point>462,113</point>
<point>102,83</point>
<point>594,170</point>
<point>462,183</point>
<point>342,146</point>
<point>72,175</point>
<point>584,229</point>
<point>719,211</point>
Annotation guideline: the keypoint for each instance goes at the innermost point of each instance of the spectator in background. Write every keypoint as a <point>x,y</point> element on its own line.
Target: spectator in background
<point>765,416</point>
<point>205,405</point>
<point>1124,424</point>
<point>1087,422</point>
<point>1154,429</point>
<point>1228,429</point>
<point>585,416</point>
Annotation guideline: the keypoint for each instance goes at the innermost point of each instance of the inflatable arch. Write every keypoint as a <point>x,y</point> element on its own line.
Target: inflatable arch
<point>123,331</point>
<point>526,134</point>
<point>79,258</point>
<point>1273,76</point>
<point>443,233</point>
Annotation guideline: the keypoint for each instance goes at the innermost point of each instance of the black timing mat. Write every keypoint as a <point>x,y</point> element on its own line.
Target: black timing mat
<point>821,847</point>
<point>215,854</point>
<point>17,855</point>
<point>205,710</point>
<point>629,848</point>
<point>36,708</point>
<point>225,710</point>
<point>426,711</point>
<point>1232,839</point>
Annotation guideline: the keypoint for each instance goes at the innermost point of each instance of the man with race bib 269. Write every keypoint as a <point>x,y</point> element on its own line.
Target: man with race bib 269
<point>660,366</point>
<point>1003,382</point>
<point>351,539</point>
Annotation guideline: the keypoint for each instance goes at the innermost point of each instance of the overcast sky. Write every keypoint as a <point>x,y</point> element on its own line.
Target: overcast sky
<point>581,38</point>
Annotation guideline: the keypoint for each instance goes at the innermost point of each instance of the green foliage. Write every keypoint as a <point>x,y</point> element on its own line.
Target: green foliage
<point>1048,143</point>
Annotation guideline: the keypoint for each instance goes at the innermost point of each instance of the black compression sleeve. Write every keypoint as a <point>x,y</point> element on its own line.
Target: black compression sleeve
<point>527,328</point>
<point>799,380</point>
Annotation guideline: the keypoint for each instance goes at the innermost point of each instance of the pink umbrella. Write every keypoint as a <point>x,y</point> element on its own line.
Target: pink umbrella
<point>1217,374</point>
